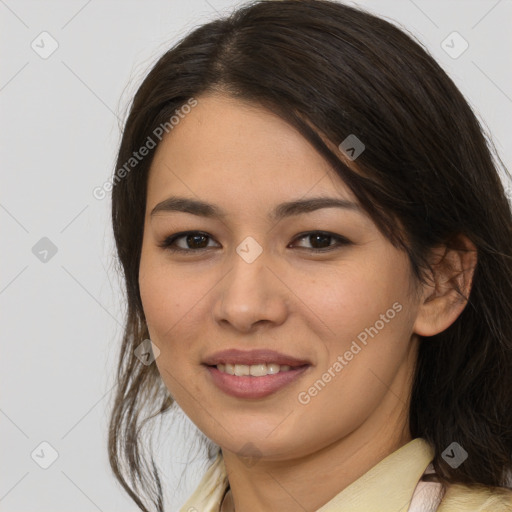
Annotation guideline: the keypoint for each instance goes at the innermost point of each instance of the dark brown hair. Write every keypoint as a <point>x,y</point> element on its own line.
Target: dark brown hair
<point>331,70</point>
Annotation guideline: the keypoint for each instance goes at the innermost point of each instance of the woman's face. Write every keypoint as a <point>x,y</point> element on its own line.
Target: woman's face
<point>251,280</point>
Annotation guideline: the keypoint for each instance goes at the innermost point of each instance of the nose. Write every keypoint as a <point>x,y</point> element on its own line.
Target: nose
<point>249,295</point>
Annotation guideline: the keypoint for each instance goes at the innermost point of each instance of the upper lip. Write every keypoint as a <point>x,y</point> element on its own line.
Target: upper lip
<point>250,357</point>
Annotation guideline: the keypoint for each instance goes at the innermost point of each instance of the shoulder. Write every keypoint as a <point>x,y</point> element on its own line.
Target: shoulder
<point>462,498</point>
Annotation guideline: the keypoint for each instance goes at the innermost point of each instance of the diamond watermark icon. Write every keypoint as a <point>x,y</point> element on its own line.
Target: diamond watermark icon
<point>44,250</point>
<point>44,45</point>
<point>352,147</point>
<point>253,458</point>
<point>454,455</point>
<point>147,352</point>
<point>44,455</point>
<point>454,45</point>
<point>249,249</point>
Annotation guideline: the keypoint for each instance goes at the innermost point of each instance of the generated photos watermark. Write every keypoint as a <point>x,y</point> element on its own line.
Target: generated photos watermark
<point>304,397</point>
<point>150,143</point>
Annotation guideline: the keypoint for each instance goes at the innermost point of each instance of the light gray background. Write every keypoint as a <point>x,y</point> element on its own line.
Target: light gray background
<point>60,117</point>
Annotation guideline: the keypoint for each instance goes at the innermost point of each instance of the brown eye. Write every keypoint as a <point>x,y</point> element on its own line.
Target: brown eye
<point>192,241</point>
<point>320,241</point>
<point>196,241</point>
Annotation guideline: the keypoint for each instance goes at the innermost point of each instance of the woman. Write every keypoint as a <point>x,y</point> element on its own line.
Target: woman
<point>315,238</point>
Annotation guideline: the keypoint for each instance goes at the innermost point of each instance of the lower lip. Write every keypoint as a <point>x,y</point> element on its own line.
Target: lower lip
<point>254,387</point>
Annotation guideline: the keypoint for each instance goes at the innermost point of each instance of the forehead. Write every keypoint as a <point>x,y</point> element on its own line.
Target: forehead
<point>241,152</point>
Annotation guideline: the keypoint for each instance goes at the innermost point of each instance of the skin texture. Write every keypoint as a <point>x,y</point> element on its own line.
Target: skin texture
<point>246,160</point>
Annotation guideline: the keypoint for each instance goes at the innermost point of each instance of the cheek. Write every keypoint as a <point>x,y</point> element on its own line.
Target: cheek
<point>168,296</point>
<point>364,316</point>
<point>170,304</point>
<point>175,307</point>
<point>347,300</point>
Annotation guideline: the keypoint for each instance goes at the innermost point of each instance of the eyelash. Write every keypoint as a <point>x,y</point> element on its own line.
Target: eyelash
<point>167,243</point>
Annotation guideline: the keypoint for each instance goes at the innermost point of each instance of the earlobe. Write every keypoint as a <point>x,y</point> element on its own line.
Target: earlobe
<point>445,296</point>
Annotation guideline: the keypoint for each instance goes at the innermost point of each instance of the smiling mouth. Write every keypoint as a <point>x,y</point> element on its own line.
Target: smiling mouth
<point>254,381</point>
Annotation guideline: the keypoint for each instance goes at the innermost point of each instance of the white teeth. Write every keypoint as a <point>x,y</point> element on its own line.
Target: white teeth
<point>274,368</point>
<point>255,370</point>
<point>242,369</point>
<point>258,370</point>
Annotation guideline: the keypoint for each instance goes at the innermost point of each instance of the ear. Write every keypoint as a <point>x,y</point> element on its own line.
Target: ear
<point>445,296</point>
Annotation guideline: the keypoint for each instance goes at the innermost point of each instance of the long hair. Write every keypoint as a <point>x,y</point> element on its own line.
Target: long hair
<point>331,71</point>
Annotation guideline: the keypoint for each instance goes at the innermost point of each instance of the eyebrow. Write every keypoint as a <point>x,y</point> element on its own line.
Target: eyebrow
<point>288,209</point>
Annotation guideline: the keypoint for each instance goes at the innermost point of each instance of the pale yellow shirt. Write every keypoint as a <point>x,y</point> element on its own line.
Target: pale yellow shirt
<point>387,487</point>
